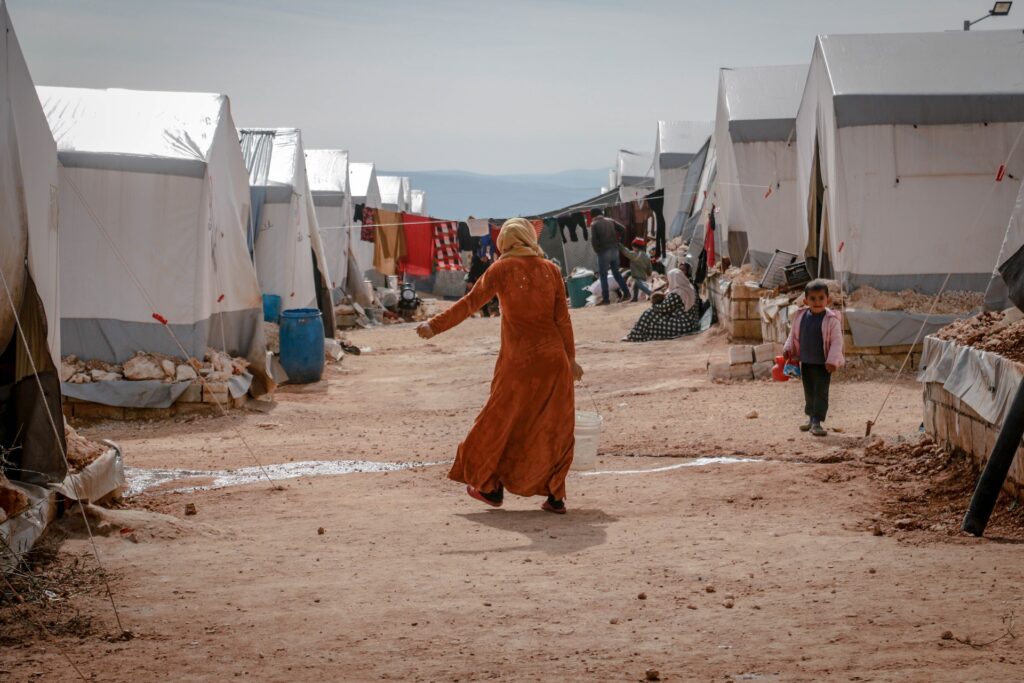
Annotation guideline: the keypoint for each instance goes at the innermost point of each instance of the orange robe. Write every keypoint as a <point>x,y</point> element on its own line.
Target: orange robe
<point>523,438</point>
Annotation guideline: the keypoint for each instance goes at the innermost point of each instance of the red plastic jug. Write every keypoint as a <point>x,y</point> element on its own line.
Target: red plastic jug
<point>778,370</point>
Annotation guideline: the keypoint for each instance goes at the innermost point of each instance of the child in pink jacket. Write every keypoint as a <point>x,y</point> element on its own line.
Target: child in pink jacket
<point>816,341</point>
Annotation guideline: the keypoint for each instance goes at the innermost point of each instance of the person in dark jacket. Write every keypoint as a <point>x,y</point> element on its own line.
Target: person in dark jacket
<point>605,243</point>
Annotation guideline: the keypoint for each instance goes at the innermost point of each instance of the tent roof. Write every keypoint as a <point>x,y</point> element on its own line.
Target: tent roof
<point>393,189</point>
<point>634,168</point>
<point>327,170</point>
<point>359,177</point>
<point>133,130</point>
<point>679,141</point>
<point>762,102</point>
<point>419,201</point>
<point>925,78</point>
<point>284,170</point>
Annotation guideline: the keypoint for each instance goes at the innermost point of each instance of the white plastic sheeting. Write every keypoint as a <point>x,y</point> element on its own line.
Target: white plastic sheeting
<point>419,202</point>
<point>676,145</point>
<point>756,159</point>
<point>135,219</point>
<point>28,193</point>
<point>288,235</point>
<point>395,193</point>
<point>908,200</point>
<point>327,170</point>
<point>1007,284</point>
<point>634,169</point>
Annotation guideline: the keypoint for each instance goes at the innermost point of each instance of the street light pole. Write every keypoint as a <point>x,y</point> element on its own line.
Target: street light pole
<point>1000,9</point>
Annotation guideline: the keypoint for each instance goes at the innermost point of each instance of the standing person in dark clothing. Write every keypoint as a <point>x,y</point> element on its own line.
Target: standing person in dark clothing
<point>816,340</point>
<point>605,243</point>
<point>482,260</point>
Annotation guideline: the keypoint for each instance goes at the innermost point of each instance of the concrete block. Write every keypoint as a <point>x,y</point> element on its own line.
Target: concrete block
<point>97,411</point>
<point>193,394</point>
<point>737,310</point>
<point>764,353</point>
<point>901,348</point>
<point>742,371</point>
<point>763,369</point>
<point>754,309</point>
<point>929,417</point>
<point>941,423</point>
<point>741,353</point>
<point>720,370</point>
<point>216,393</point>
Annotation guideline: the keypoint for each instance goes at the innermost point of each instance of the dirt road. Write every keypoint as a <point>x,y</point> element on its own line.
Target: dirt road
<point>764,570</point>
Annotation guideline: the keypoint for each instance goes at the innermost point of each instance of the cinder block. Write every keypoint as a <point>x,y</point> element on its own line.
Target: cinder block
<point>754,309</point>
<point>741,353</point>
<point>737,309</point>
<point>941,423</point>
<point>742,371</point>
<point>764,353</point>
<point>763,370</point>
<point>720,370</point>
<point>215,393</point>
<point>978,429</point>
<point>192,394</point>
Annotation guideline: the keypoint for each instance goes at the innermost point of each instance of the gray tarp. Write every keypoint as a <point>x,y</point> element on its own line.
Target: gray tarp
<point>893,328</point>
<point>985,382</point>
<point>143,394</point>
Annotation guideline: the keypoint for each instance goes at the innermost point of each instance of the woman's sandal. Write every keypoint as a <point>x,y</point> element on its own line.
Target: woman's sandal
<point>485,497</point>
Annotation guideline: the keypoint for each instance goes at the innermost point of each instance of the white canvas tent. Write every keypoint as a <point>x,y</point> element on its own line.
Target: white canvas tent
<point>154,207</point>
<point>419,202</point>
<point>677,143</point>
<point>634,175</point>
<point>395,193</point>
<point>288,251</point>
<point>29,286</point>
<point>900,140</point>
<point>1006,287</point>
<point>755,149</point>
<point>327,170</point>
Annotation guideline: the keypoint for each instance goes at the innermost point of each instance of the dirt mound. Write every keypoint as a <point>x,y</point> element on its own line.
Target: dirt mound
<point>870,299</point>
<point>929,488</point>
<point>81,451</point>
<point>987,332</point>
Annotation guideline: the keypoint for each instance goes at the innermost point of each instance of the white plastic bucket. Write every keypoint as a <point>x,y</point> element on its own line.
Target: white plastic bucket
<point>588,435</point>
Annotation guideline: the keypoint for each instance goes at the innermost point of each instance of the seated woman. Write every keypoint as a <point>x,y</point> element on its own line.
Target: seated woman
<point>675,315</point>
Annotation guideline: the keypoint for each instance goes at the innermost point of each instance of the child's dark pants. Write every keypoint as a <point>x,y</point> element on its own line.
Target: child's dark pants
<point>816,380</point>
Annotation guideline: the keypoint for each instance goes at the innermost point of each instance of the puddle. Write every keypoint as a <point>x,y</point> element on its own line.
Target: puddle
<point>699,462</point>
<point>140,479</point>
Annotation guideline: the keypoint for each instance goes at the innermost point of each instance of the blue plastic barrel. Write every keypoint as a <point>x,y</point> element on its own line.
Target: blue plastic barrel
<point>271,308</point>
<point>302,345</point>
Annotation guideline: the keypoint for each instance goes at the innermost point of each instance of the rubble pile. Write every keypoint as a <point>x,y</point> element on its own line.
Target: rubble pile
<point>217,367</point>
<point>997,332</point>
<point>81,451</point>
<point>870,299</point>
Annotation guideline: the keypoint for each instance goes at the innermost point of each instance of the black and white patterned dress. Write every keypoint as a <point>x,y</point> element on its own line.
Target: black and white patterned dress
<point>666,320</point>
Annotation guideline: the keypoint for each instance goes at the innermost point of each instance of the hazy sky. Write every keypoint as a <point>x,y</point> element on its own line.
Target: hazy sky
<point>495,86</point>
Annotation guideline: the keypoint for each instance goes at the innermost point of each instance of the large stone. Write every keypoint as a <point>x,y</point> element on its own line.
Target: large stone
<point>141,367</point>
<point>185,373</point>
<point>741,353</point>
<point>169,368</point>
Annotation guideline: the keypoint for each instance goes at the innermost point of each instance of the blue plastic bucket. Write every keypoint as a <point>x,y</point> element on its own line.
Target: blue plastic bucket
<point>302,345</point>
<point>271,308</point>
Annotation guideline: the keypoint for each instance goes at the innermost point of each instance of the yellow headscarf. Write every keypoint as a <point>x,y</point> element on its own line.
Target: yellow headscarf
<point>517,239</point>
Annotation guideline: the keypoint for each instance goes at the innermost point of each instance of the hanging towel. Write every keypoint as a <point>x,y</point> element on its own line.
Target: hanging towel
<point>446,247</point>
<point>465,237</point>
<point>389,245</point>
<point>369,224</point>
<point>538,227</point>
<point>477,226</point>
<point>419,245</point>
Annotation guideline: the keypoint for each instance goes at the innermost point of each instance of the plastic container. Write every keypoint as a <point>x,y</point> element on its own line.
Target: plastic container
<point>271,308</point>
<point>588,436</point>
<point>579,289</point>
<point>778,370</point>
<point>302,345</point>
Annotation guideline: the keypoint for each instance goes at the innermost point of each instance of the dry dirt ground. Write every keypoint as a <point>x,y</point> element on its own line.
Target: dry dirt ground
<point>787,568</point>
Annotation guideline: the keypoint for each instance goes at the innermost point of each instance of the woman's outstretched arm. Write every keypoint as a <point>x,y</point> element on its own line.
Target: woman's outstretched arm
<point>482,292</point>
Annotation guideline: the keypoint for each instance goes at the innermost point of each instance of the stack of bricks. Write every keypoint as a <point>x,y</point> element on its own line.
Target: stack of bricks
<point>197,398</point>
<point>738,305</point>
<point>953,424</point>
<point>746,362</point>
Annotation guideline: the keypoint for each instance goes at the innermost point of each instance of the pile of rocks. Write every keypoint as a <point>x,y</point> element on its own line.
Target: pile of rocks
<point>217,367</point>
<point>746,362</point>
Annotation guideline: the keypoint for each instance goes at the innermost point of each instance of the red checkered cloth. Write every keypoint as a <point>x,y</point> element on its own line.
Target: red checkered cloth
<point>446,247</point>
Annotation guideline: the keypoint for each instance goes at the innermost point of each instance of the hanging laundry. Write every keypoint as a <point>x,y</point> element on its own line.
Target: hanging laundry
<point>369,224</point>
<point>566,223</point>
<point>446,247</point>
<point>580,223</point>
<point>493,230</point>
<point>419,245</point>
<point>709,237</point>
<point>465,237</point>
<point>656,202</point>
<point>538,227</point>
<point>485,246</point>
<point>478,226</point>
<point>551,242</point>
<point>389,245</point>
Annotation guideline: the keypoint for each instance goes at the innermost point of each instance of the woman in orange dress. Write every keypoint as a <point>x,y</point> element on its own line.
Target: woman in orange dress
<point>523,440</point>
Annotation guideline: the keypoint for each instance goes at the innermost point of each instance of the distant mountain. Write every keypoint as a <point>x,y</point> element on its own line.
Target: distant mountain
<point>458,194</point>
